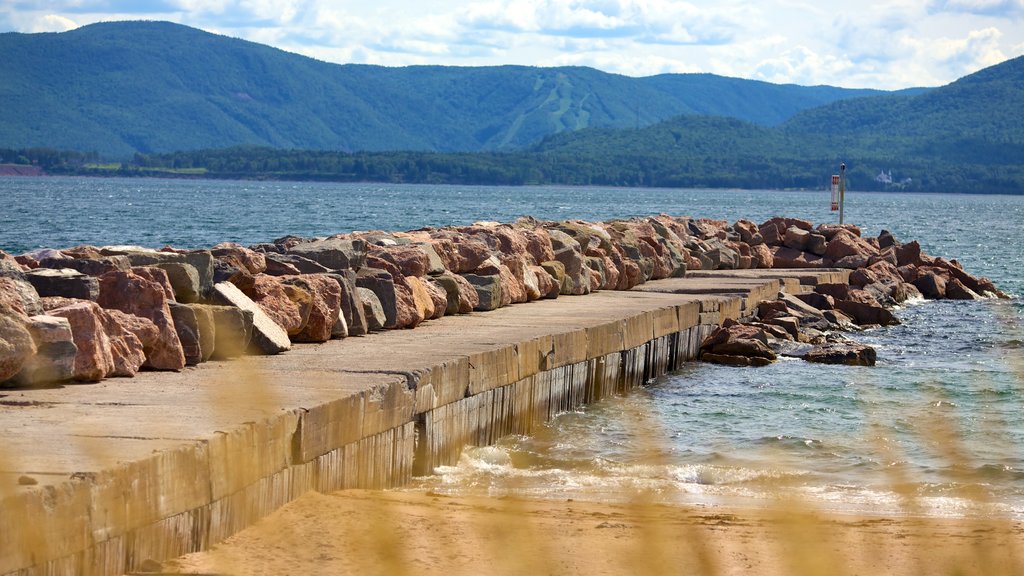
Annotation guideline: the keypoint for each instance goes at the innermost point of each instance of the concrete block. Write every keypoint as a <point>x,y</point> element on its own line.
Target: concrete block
<point>568,348</point>
<point>689,314</point>
<point>534,355</point>
<point>493,368</point>
<point>267,336</point>
<point>145,491</point>
<point>605,339</point>
<point>254,450</point>
<point>637,330</point>
<point>387,406</point>
<point>328,426</point>
<point>665,320</point>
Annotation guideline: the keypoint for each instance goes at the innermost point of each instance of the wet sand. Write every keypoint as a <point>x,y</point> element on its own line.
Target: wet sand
<point>389,533</point>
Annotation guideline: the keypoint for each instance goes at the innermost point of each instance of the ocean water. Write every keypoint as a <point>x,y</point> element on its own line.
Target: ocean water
<point>937,427</point>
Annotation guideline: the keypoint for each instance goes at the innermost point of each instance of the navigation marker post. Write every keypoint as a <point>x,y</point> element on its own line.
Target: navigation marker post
<point>839,191</point>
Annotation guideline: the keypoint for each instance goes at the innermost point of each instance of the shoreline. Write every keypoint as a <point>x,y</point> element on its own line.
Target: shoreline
<point>726,189</point>
<point>423,533</point>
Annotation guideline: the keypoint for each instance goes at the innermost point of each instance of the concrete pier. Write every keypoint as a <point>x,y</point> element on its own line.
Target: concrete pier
<point>97,479</point>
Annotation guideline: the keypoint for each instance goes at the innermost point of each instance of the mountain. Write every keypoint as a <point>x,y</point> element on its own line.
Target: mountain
<point>965,136</point>
<point>124,87</point>
<point>976,118</point>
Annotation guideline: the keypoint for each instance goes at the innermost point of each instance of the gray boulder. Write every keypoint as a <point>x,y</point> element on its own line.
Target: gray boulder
<point>64,282</point>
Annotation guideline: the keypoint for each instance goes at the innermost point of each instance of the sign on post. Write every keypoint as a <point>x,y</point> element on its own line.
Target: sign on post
<point>835,192</point>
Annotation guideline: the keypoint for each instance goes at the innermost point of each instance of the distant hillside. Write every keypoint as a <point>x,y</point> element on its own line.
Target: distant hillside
<point>976,119</point>
<point>126,87</point>
<point>964,137</point>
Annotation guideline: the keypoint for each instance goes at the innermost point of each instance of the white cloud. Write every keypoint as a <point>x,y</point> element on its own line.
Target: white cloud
<point>52,23</point>
<point>877,43</point>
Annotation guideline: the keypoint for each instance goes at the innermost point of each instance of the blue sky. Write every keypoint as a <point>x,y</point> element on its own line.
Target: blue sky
<point>878,44</point>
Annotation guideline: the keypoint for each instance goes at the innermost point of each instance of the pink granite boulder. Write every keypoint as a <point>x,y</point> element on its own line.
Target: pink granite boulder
<point>131,293</point>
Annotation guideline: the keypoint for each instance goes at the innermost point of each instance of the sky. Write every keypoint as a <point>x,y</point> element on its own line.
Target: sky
<point>874,44</point>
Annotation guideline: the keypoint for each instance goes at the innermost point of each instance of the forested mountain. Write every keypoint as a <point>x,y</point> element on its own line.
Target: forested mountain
<point>125,87</point>
<point>964,137</point>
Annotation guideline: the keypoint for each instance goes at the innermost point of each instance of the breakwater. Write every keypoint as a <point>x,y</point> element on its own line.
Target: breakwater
<point>111,475</point>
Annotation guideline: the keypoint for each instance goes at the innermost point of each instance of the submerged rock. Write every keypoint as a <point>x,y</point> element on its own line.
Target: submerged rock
<point>847,353</point>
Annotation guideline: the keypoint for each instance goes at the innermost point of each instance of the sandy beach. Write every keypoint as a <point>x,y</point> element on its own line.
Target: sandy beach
<point>368,532</point>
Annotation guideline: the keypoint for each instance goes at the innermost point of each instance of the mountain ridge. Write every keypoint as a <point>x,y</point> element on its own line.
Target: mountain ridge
<point>125,87</point>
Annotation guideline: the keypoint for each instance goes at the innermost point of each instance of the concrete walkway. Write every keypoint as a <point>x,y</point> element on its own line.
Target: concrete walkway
<point>98,478</point>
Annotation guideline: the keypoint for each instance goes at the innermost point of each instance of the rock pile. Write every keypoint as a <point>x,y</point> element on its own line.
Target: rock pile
<point>87,313</point>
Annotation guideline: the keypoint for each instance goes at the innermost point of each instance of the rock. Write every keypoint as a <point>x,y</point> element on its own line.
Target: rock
<point>830,231</point>
<point>157,276</point>
<point>324,309</point>
<point>268,337</point>
<point>722,256</point>
<point>837,291</point>
<point>931,285</point>
<point>790,348</point>
<point>748,232</point>
<point>771,308</point>
<point>547,285</point>
<point>734,360</point>
<point>201,260</point>
<point>955,290</point>
<point>287,307</point>
<point>538,244</point>
<point>411,260</point>
<point>816,244</point>
<point>232,333</point>
<point>187,324</point>
<point>94,359</point>
<point>205,330</point>
<point>865,314</point>
<point>737,340</point>
<point>819,301</point>
<point>838,318</point>
<point>796,238</point>
<point>277,263</point>
<point>438,296</point>
<point>54,360</point>
<point>240,257</point>
<point>849,354</point>
<point>770,235</point>
<point>512,286</point>
<point>569,253</point>
<point>488,290</point>
<point>798,307</point>
<point>791,324</point>
<point>376,319</point>
<point>902,291</point>
<point>278,268</point>
<point>852,262</point>
<point>351,306</point>
<point>89,267</point>
<point>846,244</point>
<point>380,282</point>
<point>421,296</point>
<point>129,292</point>
<point>16,344</point>
<point>556,270</point>
<point>132,340</point>
<point>761,256</point>
<point>333,253</point>
<point>17,295</point>
<point>461,296</point>
<point>184,281</point>
<point>784,257</point>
